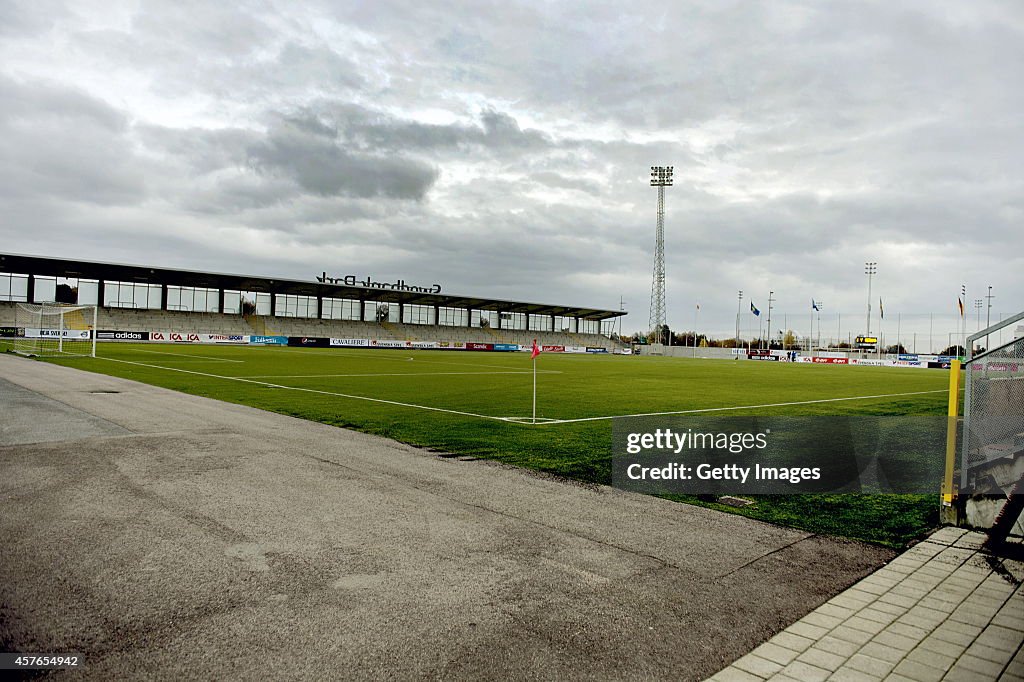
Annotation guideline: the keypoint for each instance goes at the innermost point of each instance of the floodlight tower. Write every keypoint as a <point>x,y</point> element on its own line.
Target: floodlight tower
<point>870,269</point>
<point>988,314</point>
<point>739,302</point>
<point>661,177</point>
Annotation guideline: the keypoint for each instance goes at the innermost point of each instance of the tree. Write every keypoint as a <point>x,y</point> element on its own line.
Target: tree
<point>789,340</point>
<point>660,334</point>
<point>897,349</point>
<point>66,294</point>
<point>955,351</point>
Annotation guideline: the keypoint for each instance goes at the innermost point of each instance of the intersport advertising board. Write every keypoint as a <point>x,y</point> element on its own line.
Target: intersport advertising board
<point>166,336</point>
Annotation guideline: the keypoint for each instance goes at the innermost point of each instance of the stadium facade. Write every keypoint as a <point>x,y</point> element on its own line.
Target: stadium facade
<point>152,299</point>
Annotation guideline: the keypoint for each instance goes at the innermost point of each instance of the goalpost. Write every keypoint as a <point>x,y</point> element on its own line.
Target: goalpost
<point>53,329</point>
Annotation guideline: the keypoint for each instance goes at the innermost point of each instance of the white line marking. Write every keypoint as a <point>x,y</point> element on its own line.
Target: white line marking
<point>310,390</point>
<point>744,407</point>
<point>382,374</point>
<point>188,356</point>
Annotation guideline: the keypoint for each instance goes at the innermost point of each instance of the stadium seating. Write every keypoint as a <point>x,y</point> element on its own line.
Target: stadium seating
<point>133,319</point>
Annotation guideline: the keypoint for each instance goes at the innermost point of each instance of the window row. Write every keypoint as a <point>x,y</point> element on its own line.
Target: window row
<point>15,287</point>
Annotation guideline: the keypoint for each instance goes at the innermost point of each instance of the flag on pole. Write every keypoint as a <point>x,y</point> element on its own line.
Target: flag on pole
<point>754,310</point>
<point>960,302</point>
<point>534,352</point>
<point>881,310</point>
<point>814,305</point>
<point>698,306</point>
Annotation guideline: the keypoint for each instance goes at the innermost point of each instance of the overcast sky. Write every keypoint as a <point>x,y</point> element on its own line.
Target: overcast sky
<point>503,148</point>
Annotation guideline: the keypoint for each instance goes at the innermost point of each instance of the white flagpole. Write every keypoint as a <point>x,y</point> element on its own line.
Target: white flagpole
<point>534,390</point>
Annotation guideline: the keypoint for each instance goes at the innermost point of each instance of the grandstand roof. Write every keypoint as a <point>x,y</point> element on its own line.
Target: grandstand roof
<point>82,269</point>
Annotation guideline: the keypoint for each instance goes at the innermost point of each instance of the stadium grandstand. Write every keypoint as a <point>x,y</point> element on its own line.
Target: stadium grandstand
<point>171,304</point>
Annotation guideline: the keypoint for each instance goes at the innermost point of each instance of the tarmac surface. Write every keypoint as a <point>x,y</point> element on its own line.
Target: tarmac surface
<point>168,536</point>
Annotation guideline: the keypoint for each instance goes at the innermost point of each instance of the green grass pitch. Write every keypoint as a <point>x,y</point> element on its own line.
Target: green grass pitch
<point>466,403</point>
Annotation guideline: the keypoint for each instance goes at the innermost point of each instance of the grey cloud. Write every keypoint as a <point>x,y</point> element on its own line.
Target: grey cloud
<point>201,150</point>
<point>322,166</point>
<point>20,17</point>
<point>60,142</point>
<point>553,179</point>
<point>205,28</point>
<point>319,65</point>
<point>29,101</point>
<point>496,131</point>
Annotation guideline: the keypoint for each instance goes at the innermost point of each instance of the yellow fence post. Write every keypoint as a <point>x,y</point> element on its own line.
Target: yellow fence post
<point>952,414</point>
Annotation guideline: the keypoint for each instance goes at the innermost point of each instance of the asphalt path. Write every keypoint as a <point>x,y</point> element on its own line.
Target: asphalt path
<point>168,536</point>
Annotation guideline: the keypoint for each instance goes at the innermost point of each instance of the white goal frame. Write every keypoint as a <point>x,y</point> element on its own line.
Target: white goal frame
<point>43,330</point>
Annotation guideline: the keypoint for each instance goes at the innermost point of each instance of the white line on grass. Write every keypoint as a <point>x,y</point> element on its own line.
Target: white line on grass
<point>310,390</point>
<point>188,356</point>
<point>743,407</point>
<point>395,374</point>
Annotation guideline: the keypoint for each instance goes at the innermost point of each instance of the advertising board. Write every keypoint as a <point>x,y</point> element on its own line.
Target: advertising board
<point>115,335</point>
<point>356,343</point>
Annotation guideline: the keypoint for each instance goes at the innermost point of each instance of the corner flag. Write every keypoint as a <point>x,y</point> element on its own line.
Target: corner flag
<point>534,352</point>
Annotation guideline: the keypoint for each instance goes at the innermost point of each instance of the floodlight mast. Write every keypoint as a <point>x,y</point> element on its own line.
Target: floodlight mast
<point>739,302</point>
<point>870,269</point>
<point>988,314</point>
<point>661,177</point>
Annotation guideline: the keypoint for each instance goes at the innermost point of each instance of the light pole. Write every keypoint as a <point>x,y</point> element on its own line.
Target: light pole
<point>978,303</point>
<point>819,324</point>
<point>739,305</point>
<point>622,303</point>
<point>870,268</point>
<point>769,332</point>
<point>661,177</point>
<point>963,316</point>
<point>988,316</point>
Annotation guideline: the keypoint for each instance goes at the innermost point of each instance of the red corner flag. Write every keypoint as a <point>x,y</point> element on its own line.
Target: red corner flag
<point>535,351</point>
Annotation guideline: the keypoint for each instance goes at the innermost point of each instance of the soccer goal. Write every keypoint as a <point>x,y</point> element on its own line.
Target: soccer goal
<point>52,329</point>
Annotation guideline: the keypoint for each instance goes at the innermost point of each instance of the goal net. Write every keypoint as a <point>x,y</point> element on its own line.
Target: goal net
<point>51,329</point>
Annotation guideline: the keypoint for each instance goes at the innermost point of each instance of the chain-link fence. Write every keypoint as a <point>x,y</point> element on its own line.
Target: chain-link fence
<point>992,459</point>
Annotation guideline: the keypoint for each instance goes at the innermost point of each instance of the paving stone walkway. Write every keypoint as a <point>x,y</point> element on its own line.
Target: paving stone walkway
<point>942,610</point>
